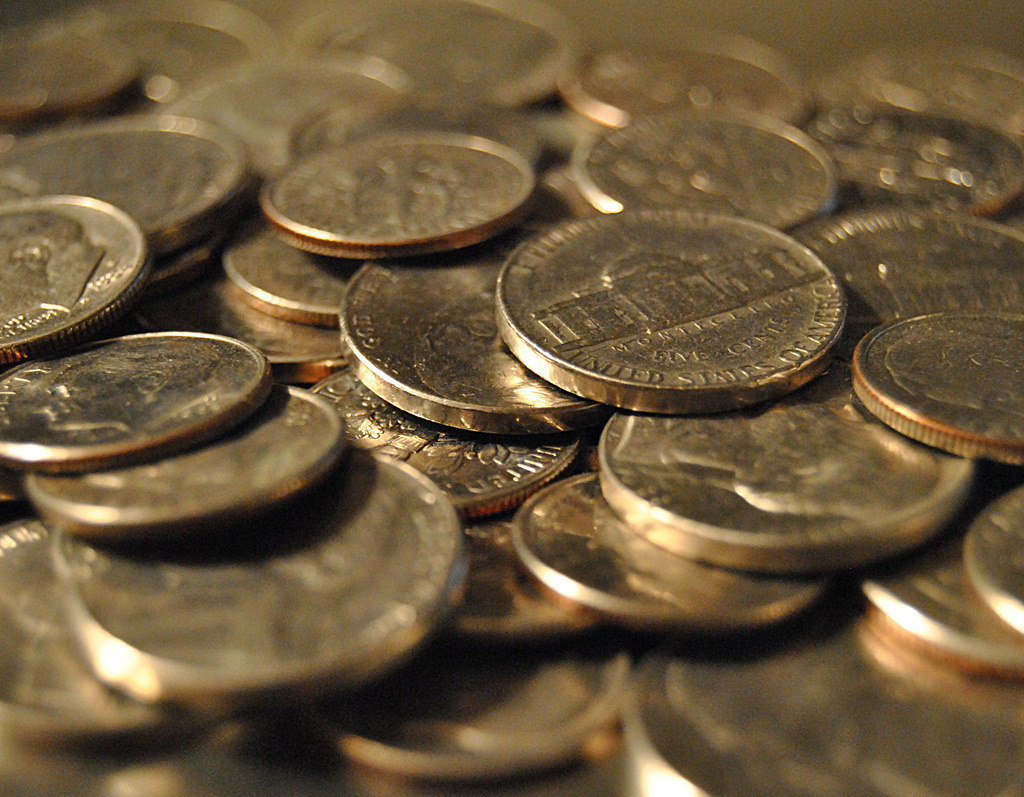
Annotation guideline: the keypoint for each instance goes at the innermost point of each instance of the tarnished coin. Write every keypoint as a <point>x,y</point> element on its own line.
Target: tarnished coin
<point>178,178</point>
<point>703,69</point>
<point>572,542</point>
<point>286,447</point>
<point>666,311</point>
<point>263,102</point>
<point>324,596</point>
<point>449,48</point>
<point>127,399</point>
<point>992,558</point>
<point>69,266</point>
<point>756,167</point>
<point>423,337</point>
<point>817,717</point>
<point>901,262</point>
<point>807,484</point>
<point>403,194</point>
<point>284,281</point>
<point>174,270</point>
<point>927,603</point>
<point>298,353</point>
<point>47,694</point>
<point>480,474</point>
<point>502,602</point>
<point>952,380</point>
<point>454,714</point>
<point>948,164</point>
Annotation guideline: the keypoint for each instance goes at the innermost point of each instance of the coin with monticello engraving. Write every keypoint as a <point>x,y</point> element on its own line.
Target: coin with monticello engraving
<point>480,474</point>
<point>286,282</point>
<point>324,595</point>
<point>422,336</point>
<point>286,447</point>
<point>127,399</point>
<point>403,194</point>
<point>573,543</point>
<point>69,267</point>
<point>947,164</point>
<point>807,484</point>
<point>178,178</point>
<point>671,312</point>
<point>952,380</point>
<point>702,69</point>
<point>47,694</point>
<point>298,353</point>
<point>994,558</point>
<point>902,262</point>
<point>755,167</point>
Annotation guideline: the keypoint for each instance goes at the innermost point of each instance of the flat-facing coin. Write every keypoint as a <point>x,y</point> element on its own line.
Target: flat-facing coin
<point>47,694</point>
<point>571,541</point>
<point>286,282</point>
<point>454,714</point>
<point>69,266</point>
<point>423,337</point>
<point>403,194</point>
<point>992,557</point>
<point>948,164</point>
<point>480,474</point>
<point>672,312</point>
<point>952,380</point>
<point>178,178</point>
<point>286,447</point>
<point>298,353</point>
<point>703,69</point>
<point>172,271</point>
<point>327,596</point>
<point>263,102</point>
<point>807,484</point>
<point>755,167</point>
<point>928,604</point>
<point>818,718</point>
<point>127,399</point>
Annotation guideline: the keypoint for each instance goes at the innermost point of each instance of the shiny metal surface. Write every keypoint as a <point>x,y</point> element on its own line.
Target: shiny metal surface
<point>992,558</point>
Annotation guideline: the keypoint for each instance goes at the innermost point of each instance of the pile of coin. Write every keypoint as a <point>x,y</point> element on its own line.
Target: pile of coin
<point>491,412</point>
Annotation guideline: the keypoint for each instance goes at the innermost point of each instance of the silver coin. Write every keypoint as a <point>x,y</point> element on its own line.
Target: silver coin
<point>571,541</point>
<point>807,484</point>
<point>178,178</point>
<point>992,558</point>
<point>286,447</point>
<point>127,399</point>
<point>671,312</point>
<point>422,336</point>
<point>339,591</point>
<point>750,166</point>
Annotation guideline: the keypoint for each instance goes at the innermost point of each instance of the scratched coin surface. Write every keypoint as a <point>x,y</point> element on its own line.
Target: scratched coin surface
<point>992,558</point>
<point>450,48</point>
<point>571,541</point>
<point>480,474</point>
<point>69,267</point>
<point>892,156</point>
<point>284,281</point>
<point>127,399</point>
<point>819,716</point>
<point>402,194</point>
<point>47,693</point>
<point>286,447</point>
<point>702,69</point>
<point>952,380</point>
<point>423,337</point>
<point>807,484</point>
<point>178,178</point>
<point>298,353</point>
<point>755,167</point>
<point>323,596</point>
<point>667,311</point>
